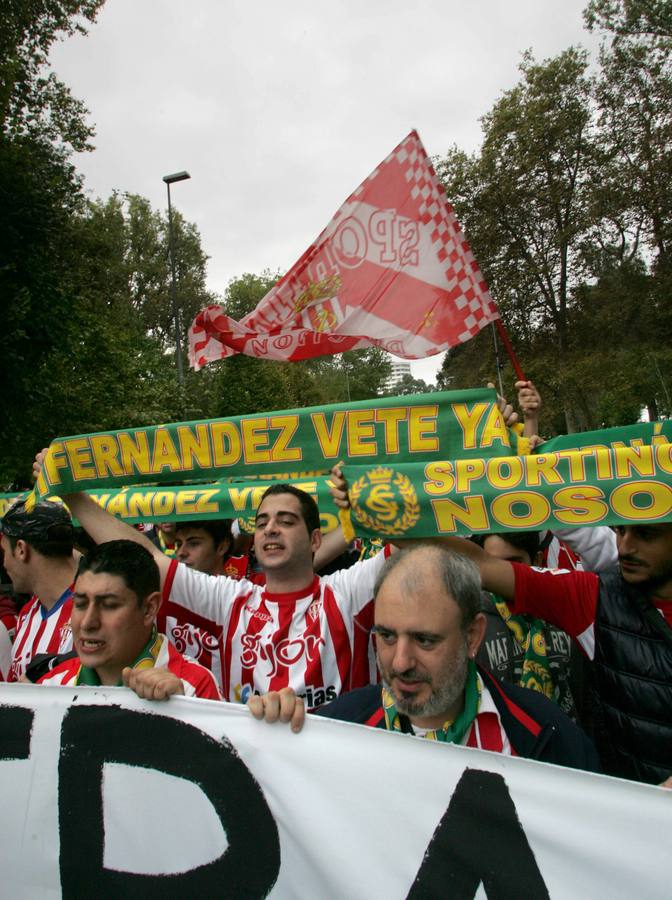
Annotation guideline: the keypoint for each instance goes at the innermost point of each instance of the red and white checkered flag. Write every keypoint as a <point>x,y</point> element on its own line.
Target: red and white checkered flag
<point>392,269</point>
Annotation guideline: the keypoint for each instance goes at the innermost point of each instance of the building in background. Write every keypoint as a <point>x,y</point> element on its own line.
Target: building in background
<point>399,369</point>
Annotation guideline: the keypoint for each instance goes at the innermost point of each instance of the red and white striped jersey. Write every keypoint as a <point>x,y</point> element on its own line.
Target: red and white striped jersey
<point>558,555</point>
<point>196,680</point>
<point>7,631</point>
<point>316,641</point>
<point>41,631</point>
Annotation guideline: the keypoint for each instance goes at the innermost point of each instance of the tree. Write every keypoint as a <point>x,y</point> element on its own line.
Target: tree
<point>649,19</point>
<point>473,365</point>
<point>357,375</point>
<point>634,96</point>
<point>125,368</point>
<point>407,384</point>
<point>147,259</point>
<point>33,101</point>
<point>40,194</point>
<point>524,203</point>
<point>633,197</point>
<point>244,384</point>
<point>629,366</point>
<point>89,340</point>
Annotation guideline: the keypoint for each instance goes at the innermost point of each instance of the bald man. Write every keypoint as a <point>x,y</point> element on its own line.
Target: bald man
<point>428,628</point>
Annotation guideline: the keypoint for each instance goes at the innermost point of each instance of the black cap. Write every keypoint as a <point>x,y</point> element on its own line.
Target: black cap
<point>46,521</point>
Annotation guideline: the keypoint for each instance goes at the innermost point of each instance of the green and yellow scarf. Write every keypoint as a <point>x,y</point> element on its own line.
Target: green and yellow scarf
<point>146,660</point>
<point>529,632</point>
<point>451,732</point>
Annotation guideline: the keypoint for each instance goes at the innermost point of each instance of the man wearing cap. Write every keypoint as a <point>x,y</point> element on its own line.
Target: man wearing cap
<point>40,560</point>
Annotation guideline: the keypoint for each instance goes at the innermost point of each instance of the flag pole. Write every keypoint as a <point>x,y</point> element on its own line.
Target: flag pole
<point>517,368</point>
<point>498,362</point>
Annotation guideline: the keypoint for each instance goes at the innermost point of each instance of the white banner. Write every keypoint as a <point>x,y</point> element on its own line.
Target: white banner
<point>107,796</point>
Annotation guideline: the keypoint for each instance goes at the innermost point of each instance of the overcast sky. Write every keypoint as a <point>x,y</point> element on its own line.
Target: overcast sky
<point>278,110</point>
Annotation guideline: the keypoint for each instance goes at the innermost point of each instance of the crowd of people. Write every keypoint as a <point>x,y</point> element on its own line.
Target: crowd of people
<point>555,647</point>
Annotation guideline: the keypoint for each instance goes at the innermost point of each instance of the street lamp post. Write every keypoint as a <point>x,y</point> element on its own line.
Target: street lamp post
<point>171,179</point>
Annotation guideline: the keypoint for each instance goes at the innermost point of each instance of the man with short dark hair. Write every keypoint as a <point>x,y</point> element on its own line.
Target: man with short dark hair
<point>428,630</point>
<point>116,596</point>
<point>38,555</point>
<point>204,545</point>
<point>297,629</point>
<point>309,511</point>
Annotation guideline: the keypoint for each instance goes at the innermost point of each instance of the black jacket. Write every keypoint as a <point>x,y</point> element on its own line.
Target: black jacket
<point>633,681</point>
<point>535,727</point>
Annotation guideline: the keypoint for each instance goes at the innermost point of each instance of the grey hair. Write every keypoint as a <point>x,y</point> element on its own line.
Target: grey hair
<point>458,574</point>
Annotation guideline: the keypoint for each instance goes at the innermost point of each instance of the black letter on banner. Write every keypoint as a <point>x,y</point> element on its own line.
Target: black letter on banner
<point>16,725</point>
<point>94,735</point>
<point>479,839</point>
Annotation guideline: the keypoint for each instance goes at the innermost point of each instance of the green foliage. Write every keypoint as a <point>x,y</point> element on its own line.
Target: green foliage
<point>634,98</point>
<point>89,337</point>
<point>409,385</point>
<point>38,196</point>
<point>244,384</point>
<point>244,293</point>
<point>33,101</point>
<point>569,209</point>
<point>649,19</point>
<point>366,372</point>
<point>525,205</point>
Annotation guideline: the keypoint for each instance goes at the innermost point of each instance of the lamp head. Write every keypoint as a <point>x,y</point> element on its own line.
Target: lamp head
<point>176,176</point>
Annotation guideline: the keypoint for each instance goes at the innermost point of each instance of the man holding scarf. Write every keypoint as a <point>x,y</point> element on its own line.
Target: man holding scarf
<point>297,629</point>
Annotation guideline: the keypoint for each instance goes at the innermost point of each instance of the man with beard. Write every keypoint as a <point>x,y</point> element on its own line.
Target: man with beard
<point>622,622</point>
<point>428,630</point>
